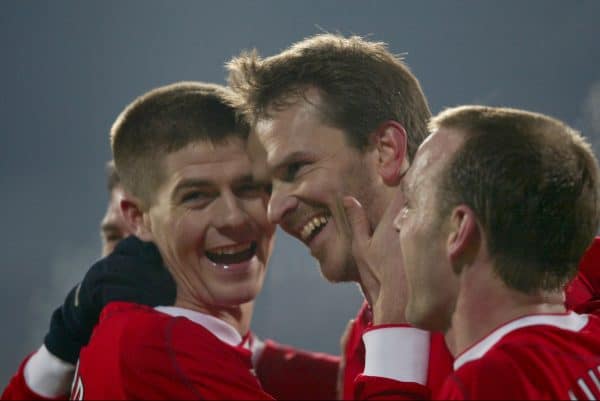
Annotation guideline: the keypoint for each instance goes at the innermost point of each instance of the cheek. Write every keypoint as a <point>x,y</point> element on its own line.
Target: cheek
<point>183,231</point>
<point>257,211</point>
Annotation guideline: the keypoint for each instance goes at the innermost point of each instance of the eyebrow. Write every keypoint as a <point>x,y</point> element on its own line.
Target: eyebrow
<point>203,183</point>
<point>291,158</point>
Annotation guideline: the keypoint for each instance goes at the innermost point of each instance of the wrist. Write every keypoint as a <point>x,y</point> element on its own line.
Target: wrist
<point>388,311</point>
<point>48,375</point>
<point>397,352</point>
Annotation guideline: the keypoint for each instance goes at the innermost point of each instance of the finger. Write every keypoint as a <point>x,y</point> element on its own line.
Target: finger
<point>393,208</point>
<point>341,214</point>
<point>357,217</point>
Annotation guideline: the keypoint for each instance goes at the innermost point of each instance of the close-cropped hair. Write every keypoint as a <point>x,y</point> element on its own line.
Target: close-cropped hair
<point>360,82</point>
<point>165,120</point>
<point>112,177</point>
<point>533,183</point>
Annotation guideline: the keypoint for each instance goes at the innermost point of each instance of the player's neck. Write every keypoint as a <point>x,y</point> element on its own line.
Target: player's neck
<point>485,303</point>
<point>238,316</point>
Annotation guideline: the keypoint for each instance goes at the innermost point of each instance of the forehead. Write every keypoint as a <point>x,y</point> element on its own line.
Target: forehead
<point>215,162</point>
<point>298,127</point>
<point>431,157</point>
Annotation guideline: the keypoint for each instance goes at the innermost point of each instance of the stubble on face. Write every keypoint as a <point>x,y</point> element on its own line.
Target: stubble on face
<point>331,168</point>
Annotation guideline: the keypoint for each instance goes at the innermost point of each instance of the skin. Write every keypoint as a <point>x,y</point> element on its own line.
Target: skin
<point>312,166</point>
<point>113,227</point>
<point>207,202</point>
<point>449,272</point>
<point>431,283</point>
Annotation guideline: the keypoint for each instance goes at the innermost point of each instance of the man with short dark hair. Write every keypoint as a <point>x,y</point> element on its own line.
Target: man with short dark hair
<point>499,207</point>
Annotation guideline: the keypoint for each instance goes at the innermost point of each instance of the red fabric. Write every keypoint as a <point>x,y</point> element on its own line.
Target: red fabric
<point>544,362</point>
<point>440,358</point>
<point>535,362</point>
<point>290,374</point>
<point>583,293</point>
<point>355,350</point>
<point>138,353</point>
<point>380,388</point>
<point>17,388</point>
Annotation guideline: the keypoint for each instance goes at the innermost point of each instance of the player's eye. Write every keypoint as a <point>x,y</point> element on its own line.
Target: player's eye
<point>197,198</point>
<point>292,170</point>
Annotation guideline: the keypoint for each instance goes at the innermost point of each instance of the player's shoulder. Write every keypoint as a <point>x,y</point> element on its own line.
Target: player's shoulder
<point>139,325</point>
<point>487,378</point>
<point>126,315</point>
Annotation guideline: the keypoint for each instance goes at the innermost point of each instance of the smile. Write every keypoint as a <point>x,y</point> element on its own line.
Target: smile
<point>230,254</point>
<point>312,227</point>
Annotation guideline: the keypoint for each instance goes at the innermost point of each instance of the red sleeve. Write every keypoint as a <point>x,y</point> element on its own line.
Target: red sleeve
<point>290,374</point>
<point>17,388</point>
<point>440,362</point>
<point>354,352</point>
<point>379,388</point>
<point>497,378</point>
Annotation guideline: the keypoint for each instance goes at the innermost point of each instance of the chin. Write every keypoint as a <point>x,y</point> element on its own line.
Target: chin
<point>339,272</point>
<point>238,296</point>
<point>235,300</point>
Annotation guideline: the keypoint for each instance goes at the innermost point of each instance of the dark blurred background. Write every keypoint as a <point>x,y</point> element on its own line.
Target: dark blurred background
<point>68,68</point>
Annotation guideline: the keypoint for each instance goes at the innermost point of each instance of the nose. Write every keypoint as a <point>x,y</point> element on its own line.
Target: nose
<point>234,216</point>
<point>281,203</point>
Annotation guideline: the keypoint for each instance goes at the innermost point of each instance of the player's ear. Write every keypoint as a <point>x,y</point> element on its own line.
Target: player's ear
<point>135,217</point>
<point>391,143</point>
<point>464,237</point>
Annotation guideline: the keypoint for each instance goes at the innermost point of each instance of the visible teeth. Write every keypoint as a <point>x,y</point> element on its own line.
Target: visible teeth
<point>311,226</point>
<point>231,249</point>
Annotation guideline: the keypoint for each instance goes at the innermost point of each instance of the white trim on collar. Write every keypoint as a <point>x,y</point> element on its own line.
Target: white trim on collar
<point>569,321</point>
<point>220,329</point>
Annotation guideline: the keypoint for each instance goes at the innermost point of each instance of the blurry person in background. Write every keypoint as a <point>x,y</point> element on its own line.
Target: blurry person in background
<point>113,227</point>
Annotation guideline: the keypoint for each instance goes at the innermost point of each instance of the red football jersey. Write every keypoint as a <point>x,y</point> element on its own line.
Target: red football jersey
<point>137,352</point>
<point>534,357</point>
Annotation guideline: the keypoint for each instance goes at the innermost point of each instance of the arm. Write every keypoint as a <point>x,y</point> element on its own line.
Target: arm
<point>290,374</point>
<point>396,364</point>
<point>41,376</point>
<point>133,272</point>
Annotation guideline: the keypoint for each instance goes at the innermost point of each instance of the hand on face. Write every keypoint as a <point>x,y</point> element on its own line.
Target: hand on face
<point>379,260</point>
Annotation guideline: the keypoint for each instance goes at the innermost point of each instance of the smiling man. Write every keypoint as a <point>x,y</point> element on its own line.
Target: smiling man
<point>335,116</point>
<point>181,155</point>
<point>186,184</point>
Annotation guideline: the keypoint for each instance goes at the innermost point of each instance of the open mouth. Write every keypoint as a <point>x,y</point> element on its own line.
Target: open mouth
<point>232,254</point>
<point>313,227</point>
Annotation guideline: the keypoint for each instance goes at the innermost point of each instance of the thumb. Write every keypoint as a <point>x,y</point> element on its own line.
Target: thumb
<point>357,220</point>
